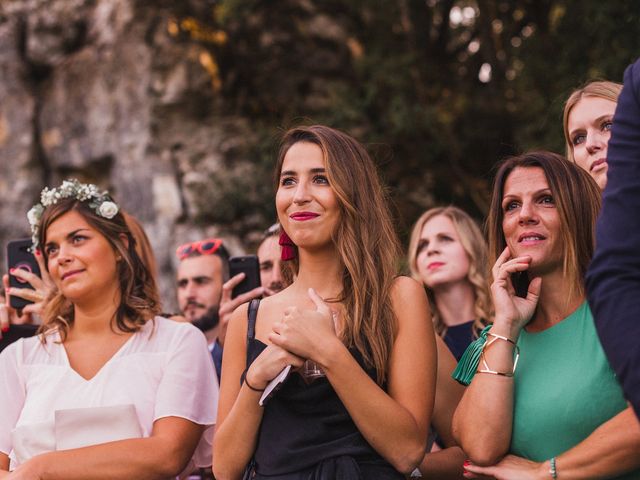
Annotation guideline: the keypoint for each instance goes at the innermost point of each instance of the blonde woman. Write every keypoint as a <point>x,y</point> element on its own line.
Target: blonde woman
<point>448,255</point>
<point>587,120</point>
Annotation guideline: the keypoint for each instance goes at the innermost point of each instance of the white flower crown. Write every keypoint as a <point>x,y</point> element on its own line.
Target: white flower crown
<point>101,202</point>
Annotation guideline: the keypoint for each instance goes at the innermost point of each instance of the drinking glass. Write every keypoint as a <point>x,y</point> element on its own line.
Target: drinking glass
<point>311,370</point>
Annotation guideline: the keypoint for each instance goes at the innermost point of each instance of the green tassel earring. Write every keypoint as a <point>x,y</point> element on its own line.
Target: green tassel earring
<point>468,364</point>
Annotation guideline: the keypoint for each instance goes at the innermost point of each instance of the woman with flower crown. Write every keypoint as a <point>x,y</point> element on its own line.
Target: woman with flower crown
<point>108,389</point>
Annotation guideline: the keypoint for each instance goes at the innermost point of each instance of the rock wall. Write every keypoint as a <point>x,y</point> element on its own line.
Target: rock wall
<point>105,91</point>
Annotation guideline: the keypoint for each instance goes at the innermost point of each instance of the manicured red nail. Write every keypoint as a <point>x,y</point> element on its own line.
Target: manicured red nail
<point>5,329</point>
<point>38,252</point>
<point>466,463</point>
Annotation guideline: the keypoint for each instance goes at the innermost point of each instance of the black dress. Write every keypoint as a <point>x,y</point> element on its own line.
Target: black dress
<point>459,337</point>
<point>306,432</point>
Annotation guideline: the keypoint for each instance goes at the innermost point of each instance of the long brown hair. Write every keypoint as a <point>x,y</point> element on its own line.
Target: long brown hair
<point>364,238</point>
<point>577,199</point>
<point>143,245</point>
<point>139,299</point>
<point>599,89</point>
<point>475,246</point>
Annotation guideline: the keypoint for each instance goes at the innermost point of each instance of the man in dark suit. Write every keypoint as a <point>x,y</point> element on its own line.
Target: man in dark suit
<point>613,279</point>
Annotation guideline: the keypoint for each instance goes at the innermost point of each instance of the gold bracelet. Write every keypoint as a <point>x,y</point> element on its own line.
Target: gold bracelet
<point>487,368</point>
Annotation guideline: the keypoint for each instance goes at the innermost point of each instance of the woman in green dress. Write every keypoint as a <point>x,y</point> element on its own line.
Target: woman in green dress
<point>558,411</point>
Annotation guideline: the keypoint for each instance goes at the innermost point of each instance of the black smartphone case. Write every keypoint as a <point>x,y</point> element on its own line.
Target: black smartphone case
<point>19,256</point>
<point>250,266</point>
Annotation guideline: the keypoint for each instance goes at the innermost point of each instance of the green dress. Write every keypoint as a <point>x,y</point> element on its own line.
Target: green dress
<point>564,389</point>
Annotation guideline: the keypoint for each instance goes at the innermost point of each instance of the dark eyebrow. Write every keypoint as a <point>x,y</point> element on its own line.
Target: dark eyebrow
<point>69,235</point>
<point>537,192</point>
<point>202,278</point>
<point>288,173</point>
<point>72,234</point>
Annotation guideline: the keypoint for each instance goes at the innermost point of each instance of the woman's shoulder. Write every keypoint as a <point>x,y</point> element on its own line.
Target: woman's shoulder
<point>404,287</point>
<point>171,332</point>
<point>36,349</point>
<point>278,301</point>
<point>409,301</point>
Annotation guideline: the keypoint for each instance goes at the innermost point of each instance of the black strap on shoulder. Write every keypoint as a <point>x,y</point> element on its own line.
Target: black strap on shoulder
<point>252,314</point>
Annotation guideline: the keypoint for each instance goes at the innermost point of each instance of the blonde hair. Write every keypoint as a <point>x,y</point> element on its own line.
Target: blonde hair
<point>577,199</point>
<point>475,246</point>
<point>600,89</point>
<point>365,240</point>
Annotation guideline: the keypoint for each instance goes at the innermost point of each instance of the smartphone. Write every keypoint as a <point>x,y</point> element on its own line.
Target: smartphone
<point>20,256</point>
<point>520,282</point>
<point>250,266</point>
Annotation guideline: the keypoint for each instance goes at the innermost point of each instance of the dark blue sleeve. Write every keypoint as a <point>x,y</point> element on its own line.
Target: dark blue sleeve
<point>216,354</point>
<point>613,279</point>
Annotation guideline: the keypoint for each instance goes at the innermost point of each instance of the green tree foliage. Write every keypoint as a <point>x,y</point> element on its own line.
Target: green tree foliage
<point>403,77</point>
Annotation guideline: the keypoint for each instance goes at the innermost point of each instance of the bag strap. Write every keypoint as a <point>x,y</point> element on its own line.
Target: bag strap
<point>252,314</point>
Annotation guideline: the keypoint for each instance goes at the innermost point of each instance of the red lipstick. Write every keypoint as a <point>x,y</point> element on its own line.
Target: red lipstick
<point>303,216</point>
<point>434,265</point>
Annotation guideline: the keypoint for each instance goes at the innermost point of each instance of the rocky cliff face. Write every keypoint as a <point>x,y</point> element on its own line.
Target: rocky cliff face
<point>108,92</point>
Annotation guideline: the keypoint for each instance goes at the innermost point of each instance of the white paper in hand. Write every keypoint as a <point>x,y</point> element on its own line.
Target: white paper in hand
<point>274,385</point>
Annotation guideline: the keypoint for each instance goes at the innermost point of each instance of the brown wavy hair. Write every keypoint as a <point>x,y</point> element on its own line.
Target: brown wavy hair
<point>139,299</point>
<point>143,245</point>
<point>599,89</point>
<point>364,238</point>
<point>475,246</point>
<point>577,199</point>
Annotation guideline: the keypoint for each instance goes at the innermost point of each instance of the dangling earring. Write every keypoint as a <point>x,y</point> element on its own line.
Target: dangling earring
<point>288,251</point>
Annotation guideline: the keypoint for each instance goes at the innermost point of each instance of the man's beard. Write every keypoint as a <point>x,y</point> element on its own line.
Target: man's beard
<point>276,286</point>
<point>208,320</point>
<point>190,309</point>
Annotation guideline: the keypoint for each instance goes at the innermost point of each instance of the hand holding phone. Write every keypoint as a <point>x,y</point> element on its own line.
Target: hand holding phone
<point>20,257</point>
<point>250,266</point>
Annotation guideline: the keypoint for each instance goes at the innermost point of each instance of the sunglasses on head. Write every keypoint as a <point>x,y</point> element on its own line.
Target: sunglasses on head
<point>204,247</point>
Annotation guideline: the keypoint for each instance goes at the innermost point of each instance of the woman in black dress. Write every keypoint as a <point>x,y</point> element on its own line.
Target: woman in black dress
<point>368,331</point>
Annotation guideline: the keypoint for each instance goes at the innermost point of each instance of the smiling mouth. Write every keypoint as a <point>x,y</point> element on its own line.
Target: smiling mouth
<point>434,265</point>
<point>303,216</point>
<point>70,274</point>
<point>530,238</point>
